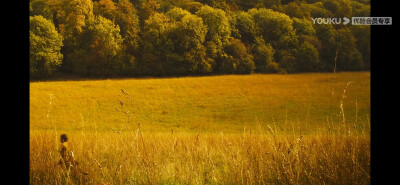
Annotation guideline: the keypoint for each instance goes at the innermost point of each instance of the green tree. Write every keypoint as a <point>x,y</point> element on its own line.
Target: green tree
<point>225,5</point>
<point>245,25</point>
<point>246,5</point>
<point>177,14</point>
<point>105,8</point>
<point>125,16</point>
<point>362,35</point>
<point>303,27</point>
<point>294,9</point>
<point>307,58</point>
<point>284,2</point>
<point>361,9</point>
<point>272,3</point>
<point>287,61</point>
<point>40,7</point>
<point>349,58</point>
<point>218,34</point>
<point>316,10</point>
<point>218,25</point>
<point>101,50</point>
<point>326,35</point>
<point>72,16</point>
<point>345,9</point>
<point>331,5</point>
<point>45,45</point>
<point>189,34</point>
<point>264,57</point>
<point>173,44</point>
<point>307,35</point>
<point>236,58</point>
<point>128,21</point>
<point>276,29</point>
<point>147,9</point>
<point>157,46</point>
<point>189,5</point>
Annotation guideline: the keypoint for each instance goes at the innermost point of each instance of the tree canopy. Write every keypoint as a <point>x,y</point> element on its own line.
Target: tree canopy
<point>194,37</point>
<point>45,45</point>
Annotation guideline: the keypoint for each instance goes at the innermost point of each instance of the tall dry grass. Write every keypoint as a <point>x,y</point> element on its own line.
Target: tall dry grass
<point>132,157</point>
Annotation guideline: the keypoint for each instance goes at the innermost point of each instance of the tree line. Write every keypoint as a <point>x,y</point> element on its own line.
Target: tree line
<point>103,38</point>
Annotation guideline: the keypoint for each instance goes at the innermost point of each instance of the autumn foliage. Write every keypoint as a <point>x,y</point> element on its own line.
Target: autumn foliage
<point>194,37</point>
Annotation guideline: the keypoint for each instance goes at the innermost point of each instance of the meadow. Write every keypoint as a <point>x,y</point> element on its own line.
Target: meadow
<point>232,129</point>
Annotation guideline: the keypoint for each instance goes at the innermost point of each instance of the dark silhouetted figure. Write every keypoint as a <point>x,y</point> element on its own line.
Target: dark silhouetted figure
<point>67,157</point>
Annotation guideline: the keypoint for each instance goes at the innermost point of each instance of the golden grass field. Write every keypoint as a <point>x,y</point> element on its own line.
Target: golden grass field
<point>233,129</point>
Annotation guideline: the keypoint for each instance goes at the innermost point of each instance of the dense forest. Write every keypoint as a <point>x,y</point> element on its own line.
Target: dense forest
<point>105,38</point>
